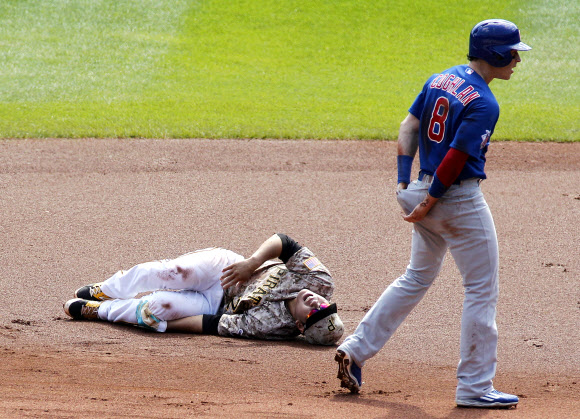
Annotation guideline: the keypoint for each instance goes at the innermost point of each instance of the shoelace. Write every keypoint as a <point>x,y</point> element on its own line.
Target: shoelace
<point>88,311</point>
<point>95,290</point>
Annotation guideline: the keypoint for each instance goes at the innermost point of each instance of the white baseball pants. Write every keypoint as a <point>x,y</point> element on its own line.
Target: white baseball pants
<point>461,222</point>
<point>186,286</point>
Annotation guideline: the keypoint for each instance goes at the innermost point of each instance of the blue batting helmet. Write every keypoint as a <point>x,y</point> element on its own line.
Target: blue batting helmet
<point>493,40</point>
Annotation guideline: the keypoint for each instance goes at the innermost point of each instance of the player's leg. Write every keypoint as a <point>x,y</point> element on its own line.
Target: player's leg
<point>168,305</point>
<point>473,243</point>
<point>161,306</point>
<point>398,300</point>
<point>197,271</point>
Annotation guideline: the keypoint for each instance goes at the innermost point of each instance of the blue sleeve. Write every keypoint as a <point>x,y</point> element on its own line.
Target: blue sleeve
<point>416,108</point>
<point>476,127</point>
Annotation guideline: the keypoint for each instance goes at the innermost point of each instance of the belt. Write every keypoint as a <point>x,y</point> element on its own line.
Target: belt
<point>429,179</point>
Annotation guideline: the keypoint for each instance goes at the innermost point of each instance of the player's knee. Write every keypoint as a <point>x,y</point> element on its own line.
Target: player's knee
<point>161,307</point>
<point>416,278</point>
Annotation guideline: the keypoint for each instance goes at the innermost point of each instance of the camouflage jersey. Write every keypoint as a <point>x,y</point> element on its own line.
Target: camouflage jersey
<point>258,309</point>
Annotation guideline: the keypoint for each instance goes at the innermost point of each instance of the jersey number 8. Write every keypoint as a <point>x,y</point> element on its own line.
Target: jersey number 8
<point>438,117</point>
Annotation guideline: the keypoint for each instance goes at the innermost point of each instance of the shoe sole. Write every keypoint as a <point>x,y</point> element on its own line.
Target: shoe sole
<point>346,381</point>
<point>494,405</point>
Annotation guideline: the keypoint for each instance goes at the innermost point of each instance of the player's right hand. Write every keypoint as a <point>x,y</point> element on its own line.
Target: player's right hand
<point>237,273</point>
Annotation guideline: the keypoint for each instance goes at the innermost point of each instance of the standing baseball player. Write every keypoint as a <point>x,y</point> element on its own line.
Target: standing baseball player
<point>217,291</point>
<point>451,122</point>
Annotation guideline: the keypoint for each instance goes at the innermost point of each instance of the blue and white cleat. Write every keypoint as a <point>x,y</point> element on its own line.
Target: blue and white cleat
<point>349,372</point>
<point>493,399</point>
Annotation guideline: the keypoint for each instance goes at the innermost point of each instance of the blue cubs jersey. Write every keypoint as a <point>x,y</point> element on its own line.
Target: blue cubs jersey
<point>456,109</point>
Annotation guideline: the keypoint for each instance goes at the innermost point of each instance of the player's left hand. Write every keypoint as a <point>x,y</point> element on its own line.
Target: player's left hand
<point>421,210</point>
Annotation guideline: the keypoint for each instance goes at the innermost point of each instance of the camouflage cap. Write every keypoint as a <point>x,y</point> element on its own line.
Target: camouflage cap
<point>324,327</point>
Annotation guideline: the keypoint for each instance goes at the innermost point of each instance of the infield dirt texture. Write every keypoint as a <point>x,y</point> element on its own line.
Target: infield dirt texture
<point>75,211</point>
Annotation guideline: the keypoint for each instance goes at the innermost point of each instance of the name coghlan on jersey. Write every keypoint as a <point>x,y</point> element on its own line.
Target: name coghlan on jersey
<point>451,83</point>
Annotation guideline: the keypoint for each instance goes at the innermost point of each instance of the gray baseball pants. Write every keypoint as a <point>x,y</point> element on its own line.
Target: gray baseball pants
<point>461,222</point>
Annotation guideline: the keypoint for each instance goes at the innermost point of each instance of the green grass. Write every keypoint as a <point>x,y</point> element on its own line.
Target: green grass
<point>266,69</point>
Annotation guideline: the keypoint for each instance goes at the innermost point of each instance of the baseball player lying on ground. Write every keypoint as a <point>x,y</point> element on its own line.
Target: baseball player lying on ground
<point>217,291</point>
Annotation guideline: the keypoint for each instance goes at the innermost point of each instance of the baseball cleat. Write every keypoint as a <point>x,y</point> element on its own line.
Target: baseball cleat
<point>349,372</point>
<point>92,292</point>
<point>80,309</point>
<point>492,399</point>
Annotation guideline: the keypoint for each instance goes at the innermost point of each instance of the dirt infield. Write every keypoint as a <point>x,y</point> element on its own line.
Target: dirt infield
<point>76,211</point>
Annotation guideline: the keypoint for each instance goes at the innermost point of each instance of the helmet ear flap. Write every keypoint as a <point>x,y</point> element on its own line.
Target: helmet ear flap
<point>501,59</point>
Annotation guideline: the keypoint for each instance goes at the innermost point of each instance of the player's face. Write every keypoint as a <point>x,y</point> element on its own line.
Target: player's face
<point>505,73</point>
<point>306,301</point>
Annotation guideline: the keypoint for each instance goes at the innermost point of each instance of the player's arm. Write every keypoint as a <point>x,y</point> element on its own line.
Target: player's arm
<point>447,172</point>
<point>192,324</point>
<point>206,324</point>
<point>277,246</point>
<point>242,271</point>
<point>239,325</point>
<point>407,144</point>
